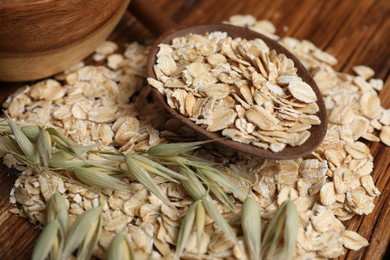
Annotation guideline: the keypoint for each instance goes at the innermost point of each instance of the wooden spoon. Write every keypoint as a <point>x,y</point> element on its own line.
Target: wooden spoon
<point>153,19</point>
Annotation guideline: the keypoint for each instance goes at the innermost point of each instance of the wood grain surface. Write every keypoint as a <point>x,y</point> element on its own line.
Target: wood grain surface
<point>356,32</point>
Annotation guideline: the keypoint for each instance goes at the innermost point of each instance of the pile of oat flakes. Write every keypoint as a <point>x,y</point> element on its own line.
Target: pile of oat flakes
<point>90,104</point>
<point>239,87</point>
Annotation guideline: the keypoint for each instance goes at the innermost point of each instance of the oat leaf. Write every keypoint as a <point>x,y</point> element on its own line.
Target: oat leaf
<point>64,160</point>
<point>94,178</point>
<point>251,226</point>
<point>144,178</point>
<point>84,234</point>
<point>186,228</point>
<point>24,143</point>
<point>216,189</point>
<point>3,123</point>
<point>61,155</point>
<point>120,248</point>
<point>46,241</point>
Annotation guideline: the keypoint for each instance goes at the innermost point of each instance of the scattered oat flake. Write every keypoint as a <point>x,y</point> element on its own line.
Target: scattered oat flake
<point>363,71</point>
<point>353,240</point>
<point>328,196</point>
<point>385,135</point>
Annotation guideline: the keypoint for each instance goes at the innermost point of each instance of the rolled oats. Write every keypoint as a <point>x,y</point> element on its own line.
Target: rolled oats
<point>260,88</point>
<point>331,185</point>
<point>385,135</point>
<point>364,71</point>
<point>353,240</point>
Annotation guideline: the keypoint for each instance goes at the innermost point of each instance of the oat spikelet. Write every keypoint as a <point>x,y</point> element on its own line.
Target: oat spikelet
<point>186,228</point>
<point>219,177</point>
<point>24,143</point>
<point>95,178</point>
<point>51,240</point>
<point>251,226</point>
<point>200,222</point>
<point>120,248</point>
<point>283,227</point>
<point>46,241</point>
<point>84,234</point>
<point>57,209</point>
<point>196,190</point>
<point>141,175</point>
<point>44,146</point>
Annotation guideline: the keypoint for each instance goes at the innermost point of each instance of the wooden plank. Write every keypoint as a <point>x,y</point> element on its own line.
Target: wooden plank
<point>357,35</point>
<point>363,39</point>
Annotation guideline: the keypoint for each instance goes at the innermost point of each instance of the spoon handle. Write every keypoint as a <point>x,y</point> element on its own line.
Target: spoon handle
<point>150,16</point>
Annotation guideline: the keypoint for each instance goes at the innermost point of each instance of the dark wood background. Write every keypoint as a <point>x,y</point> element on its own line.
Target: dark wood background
<point>355,32</point>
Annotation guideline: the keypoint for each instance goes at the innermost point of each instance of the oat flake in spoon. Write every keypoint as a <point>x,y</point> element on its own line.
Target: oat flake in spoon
<point>249,93</point>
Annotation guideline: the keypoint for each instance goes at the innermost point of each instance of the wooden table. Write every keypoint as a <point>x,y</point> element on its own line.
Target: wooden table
<point>355,32</point>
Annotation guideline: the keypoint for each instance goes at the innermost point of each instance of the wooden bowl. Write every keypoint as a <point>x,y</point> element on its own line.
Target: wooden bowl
<point>39,38</point>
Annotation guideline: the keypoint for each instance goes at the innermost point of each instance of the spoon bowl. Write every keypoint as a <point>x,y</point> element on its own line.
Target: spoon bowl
<point>157,24</point>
